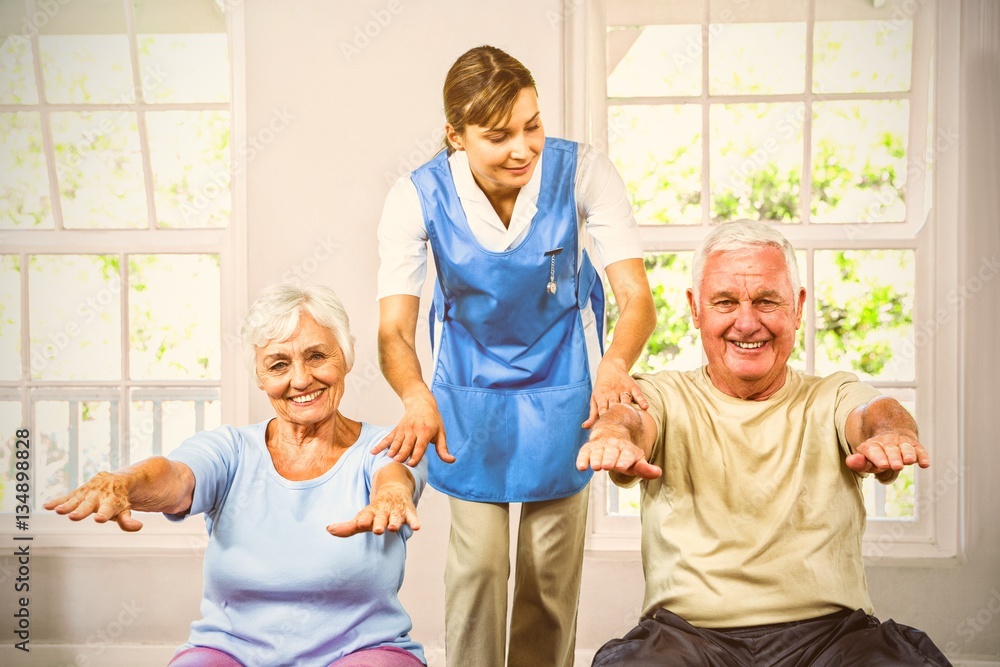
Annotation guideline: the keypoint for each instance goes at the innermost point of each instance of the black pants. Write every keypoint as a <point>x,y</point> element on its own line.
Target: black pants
<point>842,639</point>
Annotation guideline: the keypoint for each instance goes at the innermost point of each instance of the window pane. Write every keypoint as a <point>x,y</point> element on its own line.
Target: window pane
<point>75,317</point>
<point>657,150</point>
<point>87,68</point>
<point>656,60</point>
<point>172,335</point>
<point>75,440</point>
<point>862,56</point>
<point>859,161</point>
<point>184,68</point>
<point>100,169</point>
<point>10,422</point>
<point>623,502</point>
<point>17,66</point>
<point>756,161</point>
<point>864,313</point>
<point>897,500</point>
<point>757,58</point>
<point>10,318</point>
<point>24,180</point>
<point>675,343</point>
<point>189,151</point>
<point>159,424</point>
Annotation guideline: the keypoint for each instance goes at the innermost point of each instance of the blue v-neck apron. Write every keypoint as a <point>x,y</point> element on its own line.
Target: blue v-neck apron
<point>511,374</point>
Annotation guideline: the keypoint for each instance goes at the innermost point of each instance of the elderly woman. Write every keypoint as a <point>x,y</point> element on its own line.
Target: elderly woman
<point>279,590</point>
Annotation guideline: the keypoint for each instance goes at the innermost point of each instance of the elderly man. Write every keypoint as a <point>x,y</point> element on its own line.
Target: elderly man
<point>752,512</point>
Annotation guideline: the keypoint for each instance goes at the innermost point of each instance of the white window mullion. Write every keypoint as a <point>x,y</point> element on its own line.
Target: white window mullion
<point>805,193</point>
<point>47,144</point>
<point>706,170</point>
<point>147,170</point>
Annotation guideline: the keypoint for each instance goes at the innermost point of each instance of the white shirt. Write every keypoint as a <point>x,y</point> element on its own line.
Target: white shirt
<point>601,201</point>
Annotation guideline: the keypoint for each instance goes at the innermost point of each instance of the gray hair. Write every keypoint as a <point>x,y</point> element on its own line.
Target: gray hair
<point>275,314</point>
<point>742,236</point>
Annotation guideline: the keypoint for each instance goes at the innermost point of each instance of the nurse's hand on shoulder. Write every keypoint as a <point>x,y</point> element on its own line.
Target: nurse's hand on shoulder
<point>613,385</point>
<point>420,425</point>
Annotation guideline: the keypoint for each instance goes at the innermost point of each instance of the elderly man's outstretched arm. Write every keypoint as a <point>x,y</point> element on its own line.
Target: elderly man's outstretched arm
<point>883,437</point>
<point>621,442</point>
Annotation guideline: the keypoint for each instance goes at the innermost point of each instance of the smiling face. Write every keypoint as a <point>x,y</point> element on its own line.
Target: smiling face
<point>748,316</point>
<point>503,159</point>
<point>303,376</point>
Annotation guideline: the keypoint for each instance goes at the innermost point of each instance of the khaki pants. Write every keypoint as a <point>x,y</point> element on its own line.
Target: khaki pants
<point>546,583</point>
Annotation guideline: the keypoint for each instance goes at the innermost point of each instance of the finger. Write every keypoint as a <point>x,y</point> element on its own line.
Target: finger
<point>859,463</point>
<point>923,458</point>
<point>86,507</point>
<point>639,398</point>
<point>126,522</point>
<point>613,456</point>
<point>108,510</point>
<point>395,521</point>
<point>908,453</point>
<point>56,502</point>
<point>442,448</point>
<point>583,458</point>
<point>344,528</point>
<point>411,518</point>
<point>403,451</point>
<point>365,518</point>
<point>384,442</point>
<point>592,417</point>
<point>597,456</point>
<point>417,453</point>
<point>894,457</point>
<point>69,504</point>
<point>396,443</point>
<point>875,452</point>
<point>646,470</point>
<point>381,520</point>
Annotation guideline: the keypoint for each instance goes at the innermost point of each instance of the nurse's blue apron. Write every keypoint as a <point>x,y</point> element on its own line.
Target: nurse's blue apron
<point>511,377</point>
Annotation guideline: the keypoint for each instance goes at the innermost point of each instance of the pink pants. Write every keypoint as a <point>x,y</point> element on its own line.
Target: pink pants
<point>384,656</point>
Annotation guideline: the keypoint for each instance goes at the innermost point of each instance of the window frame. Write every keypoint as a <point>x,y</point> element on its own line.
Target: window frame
<point>935,536</point>
<point>55,534</point>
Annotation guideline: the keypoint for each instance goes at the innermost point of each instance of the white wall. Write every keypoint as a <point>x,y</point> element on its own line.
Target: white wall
<point>356,122</point>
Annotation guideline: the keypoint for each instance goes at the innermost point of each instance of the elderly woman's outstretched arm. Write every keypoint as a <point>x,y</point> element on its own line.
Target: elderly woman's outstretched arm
<point>154,485</point>
<point>391,505</point>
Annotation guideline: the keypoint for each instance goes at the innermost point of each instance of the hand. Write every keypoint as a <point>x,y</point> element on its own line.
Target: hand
<point>613,385</point>
<point>886,453</point>
<point>390,508</point>
<point>421,424</point>
<point>611,448</point>
<point>105,496</point>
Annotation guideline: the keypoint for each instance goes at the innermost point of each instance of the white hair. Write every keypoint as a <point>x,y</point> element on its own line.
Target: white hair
<point>743,236</point>
<point>275,314</point>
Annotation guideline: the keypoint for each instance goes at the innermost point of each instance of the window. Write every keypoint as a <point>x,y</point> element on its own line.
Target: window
<point>117,240</point>
<point>818,117</point>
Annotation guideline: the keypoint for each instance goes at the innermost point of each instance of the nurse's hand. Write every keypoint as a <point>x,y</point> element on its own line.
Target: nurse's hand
<point>420,425</point>
<point>613,385</point>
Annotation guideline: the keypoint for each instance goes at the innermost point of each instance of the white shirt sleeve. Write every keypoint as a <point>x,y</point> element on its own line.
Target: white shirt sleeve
<point>603,203</point>
<point>402,242</point>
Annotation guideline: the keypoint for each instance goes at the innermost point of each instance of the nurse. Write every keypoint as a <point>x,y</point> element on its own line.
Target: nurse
<point>516,323</point>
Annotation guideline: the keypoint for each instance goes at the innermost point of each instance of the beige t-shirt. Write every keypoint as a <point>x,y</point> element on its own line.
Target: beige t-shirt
<point>756,518</point>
